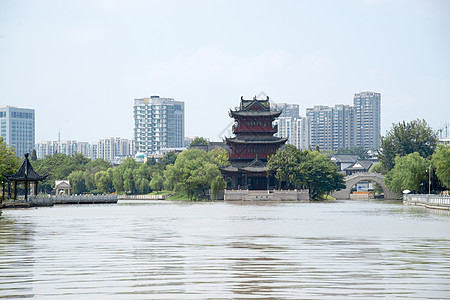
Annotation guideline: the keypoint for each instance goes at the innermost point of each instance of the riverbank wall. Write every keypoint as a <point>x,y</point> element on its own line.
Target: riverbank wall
<point>266,195</point>
<point>429,201</point>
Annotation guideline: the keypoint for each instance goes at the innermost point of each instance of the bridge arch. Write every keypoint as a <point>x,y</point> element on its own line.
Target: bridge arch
<point>353,179</point>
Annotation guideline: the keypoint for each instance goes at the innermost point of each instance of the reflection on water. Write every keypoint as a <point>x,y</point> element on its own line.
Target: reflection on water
<point>167,250</point>
<point>16,257</point>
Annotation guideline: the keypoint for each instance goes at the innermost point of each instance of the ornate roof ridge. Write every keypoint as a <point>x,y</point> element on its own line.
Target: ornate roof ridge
<point>25,172</point>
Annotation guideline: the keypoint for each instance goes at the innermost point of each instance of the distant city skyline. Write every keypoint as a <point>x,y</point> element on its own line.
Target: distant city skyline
<point>80,64</point>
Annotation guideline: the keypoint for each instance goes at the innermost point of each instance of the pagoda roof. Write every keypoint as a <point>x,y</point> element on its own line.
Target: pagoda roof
<point>255,166</point>
<point>257,140</point>
<point>255,113</point>
<point>254,104</point>
<point>26,173</point>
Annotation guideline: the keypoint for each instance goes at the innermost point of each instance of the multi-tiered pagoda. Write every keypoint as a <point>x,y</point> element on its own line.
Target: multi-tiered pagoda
<point>251,146</point>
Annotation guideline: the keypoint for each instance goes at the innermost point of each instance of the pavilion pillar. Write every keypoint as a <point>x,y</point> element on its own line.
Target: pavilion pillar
<point>26,190</point>
<point>36,186</point>
<point>15,191</point>
<point>9,189</point>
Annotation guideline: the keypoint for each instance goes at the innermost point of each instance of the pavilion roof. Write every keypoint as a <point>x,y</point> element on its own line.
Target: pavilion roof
<point>26,173</point>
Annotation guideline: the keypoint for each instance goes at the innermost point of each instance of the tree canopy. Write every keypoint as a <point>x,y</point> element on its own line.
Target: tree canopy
<point>405,138</point>
<point>441,163</point>
<point>199,141</point>
<point>9,162</point>
<point>310,169</point>
<point>409,173</point>
<point>194,173</point>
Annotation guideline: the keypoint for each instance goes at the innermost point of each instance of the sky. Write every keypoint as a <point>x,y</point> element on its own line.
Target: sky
<point>80,64</point>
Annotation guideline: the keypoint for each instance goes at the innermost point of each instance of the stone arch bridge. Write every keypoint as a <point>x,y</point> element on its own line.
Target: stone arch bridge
<point>353,179</point>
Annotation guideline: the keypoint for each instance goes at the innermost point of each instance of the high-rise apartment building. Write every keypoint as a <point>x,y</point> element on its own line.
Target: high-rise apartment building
<point>17,127</point>
<point>158,123</point>
<point>332,128</point>
<point>287,110</point>
<point>291,126</point>
<point>110,149</point>
<point>368,119</point>
<point>296,130</point>
<point>345,126</point>
<point>321,126</point>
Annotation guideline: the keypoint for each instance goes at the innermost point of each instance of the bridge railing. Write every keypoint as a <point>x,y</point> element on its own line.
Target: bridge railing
<point>361,174</point>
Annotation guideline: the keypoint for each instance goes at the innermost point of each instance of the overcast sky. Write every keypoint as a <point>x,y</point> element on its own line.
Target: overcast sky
<point>80,64</point>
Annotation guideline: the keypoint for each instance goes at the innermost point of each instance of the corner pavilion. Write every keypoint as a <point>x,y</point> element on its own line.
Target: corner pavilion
<point>28,176</point>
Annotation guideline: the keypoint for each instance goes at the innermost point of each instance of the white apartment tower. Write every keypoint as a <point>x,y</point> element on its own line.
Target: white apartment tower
<point>291,126</point>
<point>17,127</point>
<point>158,123</point>
<point>345,126</point>
<point>368,119</point>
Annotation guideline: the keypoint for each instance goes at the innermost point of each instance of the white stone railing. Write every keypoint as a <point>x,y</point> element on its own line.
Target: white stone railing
<point>432,201</point>
<point>143,197</point>
<point>75,199</point>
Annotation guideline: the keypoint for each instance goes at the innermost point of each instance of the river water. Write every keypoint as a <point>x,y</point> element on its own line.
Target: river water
<point>176,250</point>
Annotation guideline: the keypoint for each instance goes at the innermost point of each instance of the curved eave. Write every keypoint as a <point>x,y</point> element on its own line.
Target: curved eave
<point>271,132</point>
<point>21,178</point>
<point>235,141</point>
<point>255,113</point>
<point>244,169</point>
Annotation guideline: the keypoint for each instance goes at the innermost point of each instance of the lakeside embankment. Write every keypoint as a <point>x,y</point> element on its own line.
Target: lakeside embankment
<point>429,201</point>
<point>50,200</point>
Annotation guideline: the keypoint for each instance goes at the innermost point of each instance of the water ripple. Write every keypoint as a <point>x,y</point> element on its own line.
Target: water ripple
<point>167,250</point>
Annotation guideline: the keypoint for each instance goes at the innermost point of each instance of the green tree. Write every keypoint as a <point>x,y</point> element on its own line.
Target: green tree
<point>157,182</point>
<point>58,167</point>
<point>405,138</point>
<point>91,169</point>
<point>103,181</point>
<point>33,156</point>
<point>409,173</point>
<point>9,162</point>
<point>285,164</point>
<point>310,169</point>
<point>168,159</point>
<point>199,141</point>
<point>441,163</point>
<point>320,174</point>
<point>118,179</point>
<point>217,185</point>
<point>126,172</point>
<point>378,168</point>
<point>192,174</point>
<point>142,176</point>
<point>220,156</point>
<point>77,181</point>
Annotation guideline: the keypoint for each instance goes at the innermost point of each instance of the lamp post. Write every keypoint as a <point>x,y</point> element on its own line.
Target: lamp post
<point>429,180</point>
